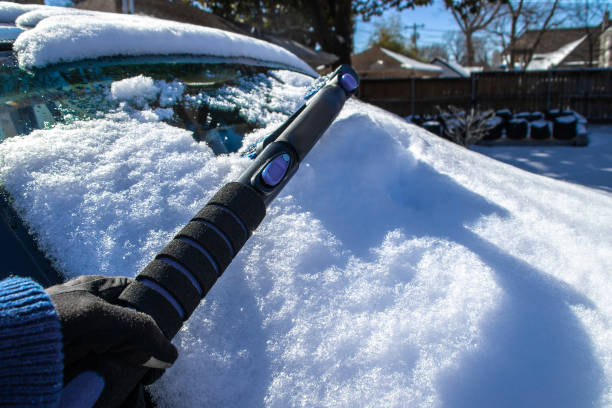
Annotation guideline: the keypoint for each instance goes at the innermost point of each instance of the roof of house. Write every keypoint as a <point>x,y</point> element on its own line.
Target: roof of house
<point>451,68</point>
<point>409,63</point>
<point>554,40</point>
<point>383,61</point>
<point>554,58</point>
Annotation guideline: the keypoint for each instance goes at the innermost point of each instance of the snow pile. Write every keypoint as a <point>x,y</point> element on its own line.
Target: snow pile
<point>60,39</point>
<point>10,11</point>
<point>395,269</point>
<point>138,89</point>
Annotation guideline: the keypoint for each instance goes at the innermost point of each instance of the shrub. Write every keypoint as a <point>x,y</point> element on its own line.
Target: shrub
<point>466,128</point>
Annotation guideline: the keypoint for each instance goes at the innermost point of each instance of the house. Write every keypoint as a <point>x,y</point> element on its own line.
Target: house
<point>192,14</point>
<point>575,47</point>
<point>450,69</point>
<point>377,62</point>
<point>605,49</point>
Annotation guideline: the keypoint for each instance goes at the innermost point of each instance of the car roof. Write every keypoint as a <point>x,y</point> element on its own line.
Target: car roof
<point>92,35</point>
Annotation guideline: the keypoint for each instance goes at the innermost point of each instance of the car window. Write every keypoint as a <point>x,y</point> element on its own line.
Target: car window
<point>200,97</point>
<point>219,103</point>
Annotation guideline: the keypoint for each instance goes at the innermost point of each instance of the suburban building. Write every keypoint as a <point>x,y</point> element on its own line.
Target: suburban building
<point>605,49</point>
<point>379,62</point>
<point>576,47</point>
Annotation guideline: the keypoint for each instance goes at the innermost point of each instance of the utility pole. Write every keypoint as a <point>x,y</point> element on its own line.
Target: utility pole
<point>415,34</point>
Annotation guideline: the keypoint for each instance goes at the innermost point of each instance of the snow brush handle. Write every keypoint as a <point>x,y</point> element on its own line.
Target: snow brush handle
<point>171,286</point>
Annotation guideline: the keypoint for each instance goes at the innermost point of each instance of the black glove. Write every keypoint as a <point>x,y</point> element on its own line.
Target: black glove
<point>124,346</point>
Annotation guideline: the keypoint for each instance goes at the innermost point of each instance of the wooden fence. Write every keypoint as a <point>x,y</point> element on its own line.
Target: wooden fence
<point>587,91</point>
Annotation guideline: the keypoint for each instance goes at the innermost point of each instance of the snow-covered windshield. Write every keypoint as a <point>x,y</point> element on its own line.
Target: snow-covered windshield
<point>218,103</point>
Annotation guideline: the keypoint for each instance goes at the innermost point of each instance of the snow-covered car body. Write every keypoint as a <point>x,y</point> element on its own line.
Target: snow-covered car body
<point>395,269</point>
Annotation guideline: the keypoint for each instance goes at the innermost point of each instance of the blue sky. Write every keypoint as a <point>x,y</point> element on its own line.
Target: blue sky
<point>436,19</point>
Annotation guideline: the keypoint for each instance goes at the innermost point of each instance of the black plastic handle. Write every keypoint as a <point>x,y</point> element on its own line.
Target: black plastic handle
<point>171,286</point>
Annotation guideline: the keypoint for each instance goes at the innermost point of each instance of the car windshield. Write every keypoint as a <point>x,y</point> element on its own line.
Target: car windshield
<point>219,103</point>
<point>208,99</point>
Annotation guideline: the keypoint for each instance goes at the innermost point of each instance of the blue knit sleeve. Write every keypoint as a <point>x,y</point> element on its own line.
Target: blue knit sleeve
<point>30,346</point>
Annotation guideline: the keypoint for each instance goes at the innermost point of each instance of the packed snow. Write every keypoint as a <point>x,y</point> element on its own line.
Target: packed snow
<point>83,36</point>
<point>395,269</point>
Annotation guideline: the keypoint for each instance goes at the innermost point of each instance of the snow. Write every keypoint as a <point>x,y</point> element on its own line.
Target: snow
<point>590,165</point>
<point>59,39</point>
<point>395,269</point>
<point>31,18</point>
<point>409,63</point>
<point>139,90</point>
<point>460,69</point>
<point>10,11</point>
<point>566,120</point>
<point>551,59</point>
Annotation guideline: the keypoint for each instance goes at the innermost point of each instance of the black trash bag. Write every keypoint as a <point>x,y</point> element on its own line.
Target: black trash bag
<point>564,127</point>
<point>517,129</point>
<point>540,129</point>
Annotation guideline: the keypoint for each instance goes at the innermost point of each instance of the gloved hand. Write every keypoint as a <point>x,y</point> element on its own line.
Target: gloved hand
<point>125,347</point>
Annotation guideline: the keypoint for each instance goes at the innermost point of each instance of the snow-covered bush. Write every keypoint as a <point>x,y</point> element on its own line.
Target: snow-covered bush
<point>466,128</point>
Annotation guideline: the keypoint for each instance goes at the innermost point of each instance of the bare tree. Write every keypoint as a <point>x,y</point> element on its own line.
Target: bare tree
<point>517,17</point>
<point>456,47</point>
<point>472,19</point>
<point>435,50</point>
<point>587,15</point>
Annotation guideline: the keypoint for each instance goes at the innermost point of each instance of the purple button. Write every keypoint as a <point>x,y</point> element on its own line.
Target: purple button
<point>348,83</point>
<point>274,171</point>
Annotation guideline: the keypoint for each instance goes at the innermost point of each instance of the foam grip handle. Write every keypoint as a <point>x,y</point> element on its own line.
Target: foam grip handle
<point>171,286</point>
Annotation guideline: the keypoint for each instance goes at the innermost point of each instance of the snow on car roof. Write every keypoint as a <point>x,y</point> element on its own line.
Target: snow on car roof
<point>395,269</point>
<point>33,17</point>
<point>57,39</point>
<point>10,11</point>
